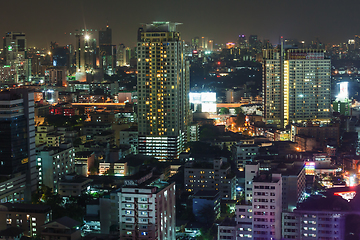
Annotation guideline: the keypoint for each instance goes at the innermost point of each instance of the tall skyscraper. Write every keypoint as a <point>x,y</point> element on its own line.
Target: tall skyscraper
<point>121,55</point>
<point>296,86</point>
<point>107,51</point>
<point>163,91</point>
<point>85,51</point>
<point>17,146</point>
<point>15,55</point>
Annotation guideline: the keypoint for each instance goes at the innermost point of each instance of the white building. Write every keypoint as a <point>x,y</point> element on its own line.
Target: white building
<point>54,163</point>
<point>145,209</point>
<point>251,171</point>
<point>296,86</point>
<point>163,91</point>
<point>266,205</point>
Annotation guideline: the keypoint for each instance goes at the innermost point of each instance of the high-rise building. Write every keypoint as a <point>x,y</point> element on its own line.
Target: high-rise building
<point>17,146</point>
<point>211,45</point>
<point>85,51</point>
<point>163,91</point>
<point>15,55</point>
<point>121,55</point>
<point>107,51</point>
<point>296,86</point>
<point>242,41</point>
<point>204,43</point>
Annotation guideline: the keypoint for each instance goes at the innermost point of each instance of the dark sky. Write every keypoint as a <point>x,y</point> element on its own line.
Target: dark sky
<point>47,20</point>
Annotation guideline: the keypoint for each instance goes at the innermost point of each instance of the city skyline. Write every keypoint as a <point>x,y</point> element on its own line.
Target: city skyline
<point>221,22</point>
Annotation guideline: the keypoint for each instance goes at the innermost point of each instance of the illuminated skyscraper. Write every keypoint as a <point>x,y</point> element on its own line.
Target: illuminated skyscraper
<point>163,91</point>
<point>85,51</point>
<point>15,55</point>
<point>296,86</point>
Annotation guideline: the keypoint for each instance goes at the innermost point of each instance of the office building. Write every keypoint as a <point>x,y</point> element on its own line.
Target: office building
<point>121,55</point>
<point>17,145</point>
<point>163,90</point>
<point>15,55</point>
<point>85,51</point>
<point>296,86</point>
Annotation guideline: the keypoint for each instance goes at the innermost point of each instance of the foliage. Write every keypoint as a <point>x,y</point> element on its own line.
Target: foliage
<point>207,234</point>
<point>238,110</point>
<point>224,110</point>
<point>240,120</point>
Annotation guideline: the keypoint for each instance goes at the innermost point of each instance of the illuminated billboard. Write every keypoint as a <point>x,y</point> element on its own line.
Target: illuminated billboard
<point>202,97</point>
<point>343,92</point>
<point>309,168</point>
<point>208,107</point>
<point>207,100</point>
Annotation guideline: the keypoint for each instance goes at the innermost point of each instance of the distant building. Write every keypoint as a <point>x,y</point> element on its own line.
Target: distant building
<point>73,185</point>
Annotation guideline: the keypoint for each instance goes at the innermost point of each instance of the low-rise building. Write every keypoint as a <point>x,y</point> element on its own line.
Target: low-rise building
<point>28,217</point>
<point>73,185</point>
<point>54,163</point>
<point>210,175</point>
<point>64,228</point>
<point>208,199</point>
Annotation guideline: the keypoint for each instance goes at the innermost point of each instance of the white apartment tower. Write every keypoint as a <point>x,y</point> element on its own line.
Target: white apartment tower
<point>267,207</point>
<point>143,208</point>
<point>163,90</point>
<point>296,86</point>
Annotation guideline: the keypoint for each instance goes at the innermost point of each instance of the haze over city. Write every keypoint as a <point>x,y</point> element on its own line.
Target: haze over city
<point>44,21</point>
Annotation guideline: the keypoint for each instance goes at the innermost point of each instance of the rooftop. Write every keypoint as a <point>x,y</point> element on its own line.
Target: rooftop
<point>24,207</point>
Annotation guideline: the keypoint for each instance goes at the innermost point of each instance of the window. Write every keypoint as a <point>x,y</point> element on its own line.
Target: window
<point>127,212</point>
<point>144,233</point>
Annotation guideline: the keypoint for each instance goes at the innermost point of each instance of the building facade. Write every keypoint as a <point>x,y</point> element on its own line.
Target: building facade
<point>163,90</point>
<point>296,86</point>
<point>17,144</point>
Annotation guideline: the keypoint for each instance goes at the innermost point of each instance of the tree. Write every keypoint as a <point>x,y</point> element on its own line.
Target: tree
<point>238,110</point>
<point>240,119</point>
<point>224,110</point>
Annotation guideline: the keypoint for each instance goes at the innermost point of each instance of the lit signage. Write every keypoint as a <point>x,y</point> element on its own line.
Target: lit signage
<point>344,92</point>
<point>310,168</point>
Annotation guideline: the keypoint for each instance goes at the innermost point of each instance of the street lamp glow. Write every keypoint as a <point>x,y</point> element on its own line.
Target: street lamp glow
<point>87,37</point>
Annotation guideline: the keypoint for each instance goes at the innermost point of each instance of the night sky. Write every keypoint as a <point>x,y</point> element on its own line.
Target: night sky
<point>48,20</point>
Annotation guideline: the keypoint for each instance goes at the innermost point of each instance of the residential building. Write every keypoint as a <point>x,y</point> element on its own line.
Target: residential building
<point>54,163</point>
<point>130,137</point>
<point>17,145</point>
<point>144,208</point>
<point>73,185</point>
<point>244,154</point>
<point>210,175</point>
<point>47,135</point>
<point>251,171</point>
<point>163,91</point>
<point>267,206</point>
<point>296,86</point>
<point>28,217</point>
